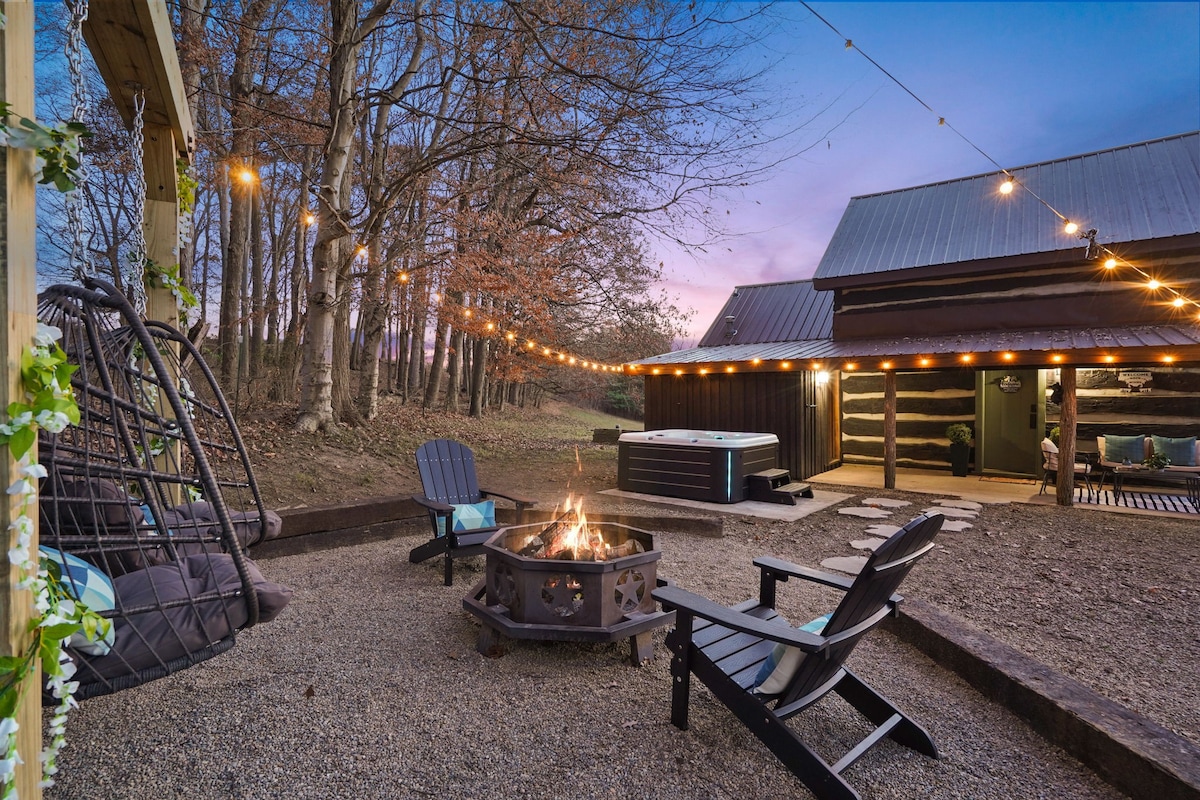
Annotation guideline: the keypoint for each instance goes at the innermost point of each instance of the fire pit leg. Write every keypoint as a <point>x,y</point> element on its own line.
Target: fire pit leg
<point>641,648</point>
<point>490,643</point>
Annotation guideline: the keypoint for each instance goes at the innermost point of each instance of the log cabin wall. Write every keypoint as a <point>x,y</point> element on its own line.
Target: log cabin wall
<point>792,405</point>
<point>1133,400</point>
<point>926,402</point>
<point>1029,297</point>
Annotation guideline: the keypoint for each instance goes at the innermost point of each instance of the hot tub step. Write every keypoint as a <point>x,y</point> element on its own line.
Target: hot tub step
<point>776,486</point>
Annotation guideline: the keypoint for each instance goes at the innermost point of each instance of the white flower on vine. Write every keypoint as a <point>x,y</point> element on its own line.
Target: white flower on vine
<point>34,471</point>
<point>53,421</point>
<point>46,335</point>
<point>18,555</point>
<point>21,421</point>
<point>21,486</point>
<point>21,526</point>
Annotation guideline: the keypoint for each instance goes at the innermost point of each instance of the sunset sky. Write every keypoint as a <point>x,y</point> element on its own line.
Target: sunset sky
<point>1025,82</point>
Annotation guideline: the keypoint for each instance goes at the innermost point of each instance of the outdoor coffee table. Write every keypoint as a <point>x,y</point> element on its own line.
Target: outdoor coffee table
<point>1190,480</point>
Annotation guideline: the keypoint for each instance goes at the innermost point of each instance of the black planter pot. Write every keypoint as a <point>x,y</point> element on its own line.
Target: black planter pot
<point>960,459</point>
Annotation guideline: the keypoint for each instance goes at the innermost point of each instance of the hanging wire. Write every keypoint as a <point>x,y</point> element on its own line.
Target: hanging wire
<point>850,45</point>
<point>73,200</point>
<point>135,280</point>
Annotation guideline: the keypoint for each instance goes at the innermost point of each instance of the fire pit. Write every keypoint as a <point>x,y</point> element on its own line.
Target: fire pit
<point>569,581</point>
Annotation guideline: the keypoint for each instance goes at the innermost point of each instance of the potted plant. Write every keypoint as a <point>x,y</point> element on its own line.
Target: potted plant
<point>960,436</point>
<point>1055,432</point>
<point>1156,462</point>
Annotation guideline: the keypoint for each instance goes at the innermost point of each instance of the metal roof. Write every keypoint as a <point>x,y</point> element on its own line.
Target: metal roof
<point>1134,342</point>
<point>1135,193</point>
<point>772,312</point>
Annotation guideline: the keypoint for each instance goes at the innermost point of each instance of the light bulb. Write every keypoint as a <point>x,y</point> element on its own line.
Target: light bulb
<point>1070,227</point>
<point>1178,302</point>
<point>1110,263</point>
<point>1007,186</point>
<point>1153,284</point>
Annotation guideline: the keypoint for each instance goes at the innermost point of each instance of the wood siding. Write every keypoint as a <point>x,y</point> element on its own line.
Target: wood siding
<point>791,405</point>
<point>1041,297</point>
<point>926,402</point>
<point>1167,405</point>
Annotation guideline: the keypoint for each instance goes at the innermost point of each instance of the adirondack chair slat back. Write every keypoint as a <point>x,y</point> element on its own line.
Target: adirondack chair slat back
<point>447,472</point>
<point>878,581</point>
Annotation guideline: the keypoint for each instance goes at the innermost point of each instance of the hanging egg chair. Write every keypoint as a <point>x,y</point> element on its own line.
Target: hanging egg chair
<point>149,504</point>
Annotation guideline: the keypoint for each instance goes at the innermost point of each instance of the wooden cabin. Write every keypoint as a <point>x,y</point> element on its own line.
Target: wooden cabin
<point>966,304</point>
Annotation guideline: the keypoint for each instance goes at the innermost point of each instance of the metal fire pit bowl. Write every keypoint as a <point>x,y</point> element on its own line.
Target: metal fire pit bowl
<point>553,599</point>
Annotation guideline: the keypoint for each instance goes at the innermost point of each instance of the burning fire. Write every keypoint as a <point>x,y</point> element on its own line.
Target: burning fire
<point>569,538</point>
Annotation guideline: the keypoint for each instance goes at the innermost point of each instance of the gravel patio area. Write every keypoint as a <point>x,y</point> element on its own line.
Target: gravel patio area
<point>369,684</point>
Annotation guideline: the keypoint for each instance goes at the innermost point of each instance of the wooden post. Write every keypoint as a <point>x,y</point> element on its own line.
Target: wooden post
<point>162,217</point>
<point>18,296</point>
<point>1065,487</point>
<point>889,429</point>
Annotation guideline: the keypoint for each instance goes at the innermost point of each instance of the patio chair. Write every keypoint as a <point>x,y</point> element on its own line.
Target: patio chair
<point>765,671</point>
<point>149,504</point>
<point>462,519</point>
<point>1083,468</point>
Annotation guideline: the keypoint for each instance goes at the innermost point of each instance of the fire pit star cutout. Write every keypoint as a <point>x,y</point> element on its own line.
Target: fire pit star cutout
<point>560,596</point>
<point>631,588</point>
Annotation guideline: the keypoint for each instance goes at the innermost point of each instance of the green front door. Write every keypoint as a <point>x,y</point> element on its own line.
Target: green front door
<point>1009,411</point>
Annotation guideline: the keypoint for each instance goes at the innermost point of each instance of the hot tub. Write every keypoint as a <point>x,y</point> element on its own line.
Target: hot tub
<point>696,465</point>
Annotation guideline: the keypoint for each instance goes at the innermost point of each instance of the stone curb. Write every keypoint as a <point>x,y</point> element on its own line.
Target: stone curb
<point>1129,751</point>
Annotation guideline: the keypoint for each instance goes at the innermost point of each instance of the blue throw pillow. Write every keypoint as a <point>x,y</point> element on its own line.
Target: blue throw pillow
<point>470,517</point>
<point>1181,451</point>
<point>1120,448</point>
<point>90,586</point>
<point>775,673</point>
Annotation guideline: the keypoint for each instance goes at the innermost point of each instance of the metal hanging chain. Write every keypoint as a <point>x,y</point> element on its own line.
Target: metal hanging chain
<point>135,280</point>
<point>73,200</point>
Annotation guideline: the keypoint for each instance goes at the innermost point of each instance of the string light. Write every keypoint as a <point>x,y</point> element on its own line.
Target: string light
<point>1070,227</point>
<point>1110,263</point>
<point>309,218</point>
<point>1007,186</point>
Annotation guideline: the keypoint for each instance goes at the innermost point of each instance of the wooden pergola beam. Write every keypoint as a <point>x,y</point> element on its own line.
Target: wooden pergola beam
<point>133,45</point>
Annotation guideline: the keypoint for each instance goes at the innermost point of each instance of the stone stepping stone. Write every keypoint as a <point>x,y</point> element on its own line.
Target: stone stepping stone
<point>868,513</point>
<point>967,504</point>
<point>879,529</point>
<point>851,565</point>
<point>956,525</point>
<point>948,512</point>
<point>868,544</point>
<point>886,502</point>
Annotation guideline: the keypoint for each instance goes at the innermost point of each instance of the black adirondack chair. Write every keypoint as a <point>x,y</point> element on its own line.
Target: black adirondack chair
<point>725,648</point>
<point>448,478</point>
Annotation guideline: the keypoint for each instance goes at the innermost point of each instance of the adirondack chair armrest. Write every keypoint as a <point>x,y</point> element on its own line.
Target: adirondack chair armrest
<point>782,570</point>
<point>687,605</point>
<point>441,509</point>
<point>520,502</point>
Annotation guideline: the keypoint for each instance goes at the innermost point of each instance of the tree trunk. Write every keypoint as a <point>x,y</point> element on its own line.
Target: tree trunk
<point>437,365</point>
<point>454,384</point>
<point>1065,488</point>
<point>478,367</point>
<point>316,385</point>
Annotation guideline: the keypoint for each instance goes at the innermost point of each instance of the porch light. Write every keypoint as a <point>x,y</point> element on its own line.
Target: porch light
<point>924,362</point>
<point>886,365</point>
<point>1109,359</point>
<point>678,372</point>
<point>703,371</point>
<point>822,378</point>
<point>786,365</point>
<point>1056,358</point>
<point>966,358</point>
<point>756,361</point>
<point>729,369</point>
<point>1168,359</point>
<point>1008,356</point>
<point>656,370</point>
<point>851,367</point>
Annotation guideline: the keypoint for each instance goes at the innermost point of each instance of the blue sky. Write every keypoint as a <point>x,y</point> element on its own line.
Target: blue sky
<point>1025,82</point>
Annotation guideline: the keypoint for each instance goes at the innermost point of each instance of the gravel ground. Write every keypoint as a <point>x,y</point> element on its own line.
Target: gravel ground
<point>369,685</point>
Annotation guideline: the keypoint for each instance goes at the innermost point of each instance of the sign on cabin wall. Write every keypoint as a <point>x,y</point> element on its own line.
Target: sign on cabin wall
<point>1135,381</point>
<point>1010,384</point>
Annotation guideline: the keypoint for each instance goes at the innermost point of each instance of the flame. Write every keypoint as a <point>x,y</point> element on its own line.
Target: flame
<point>578,538</point>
